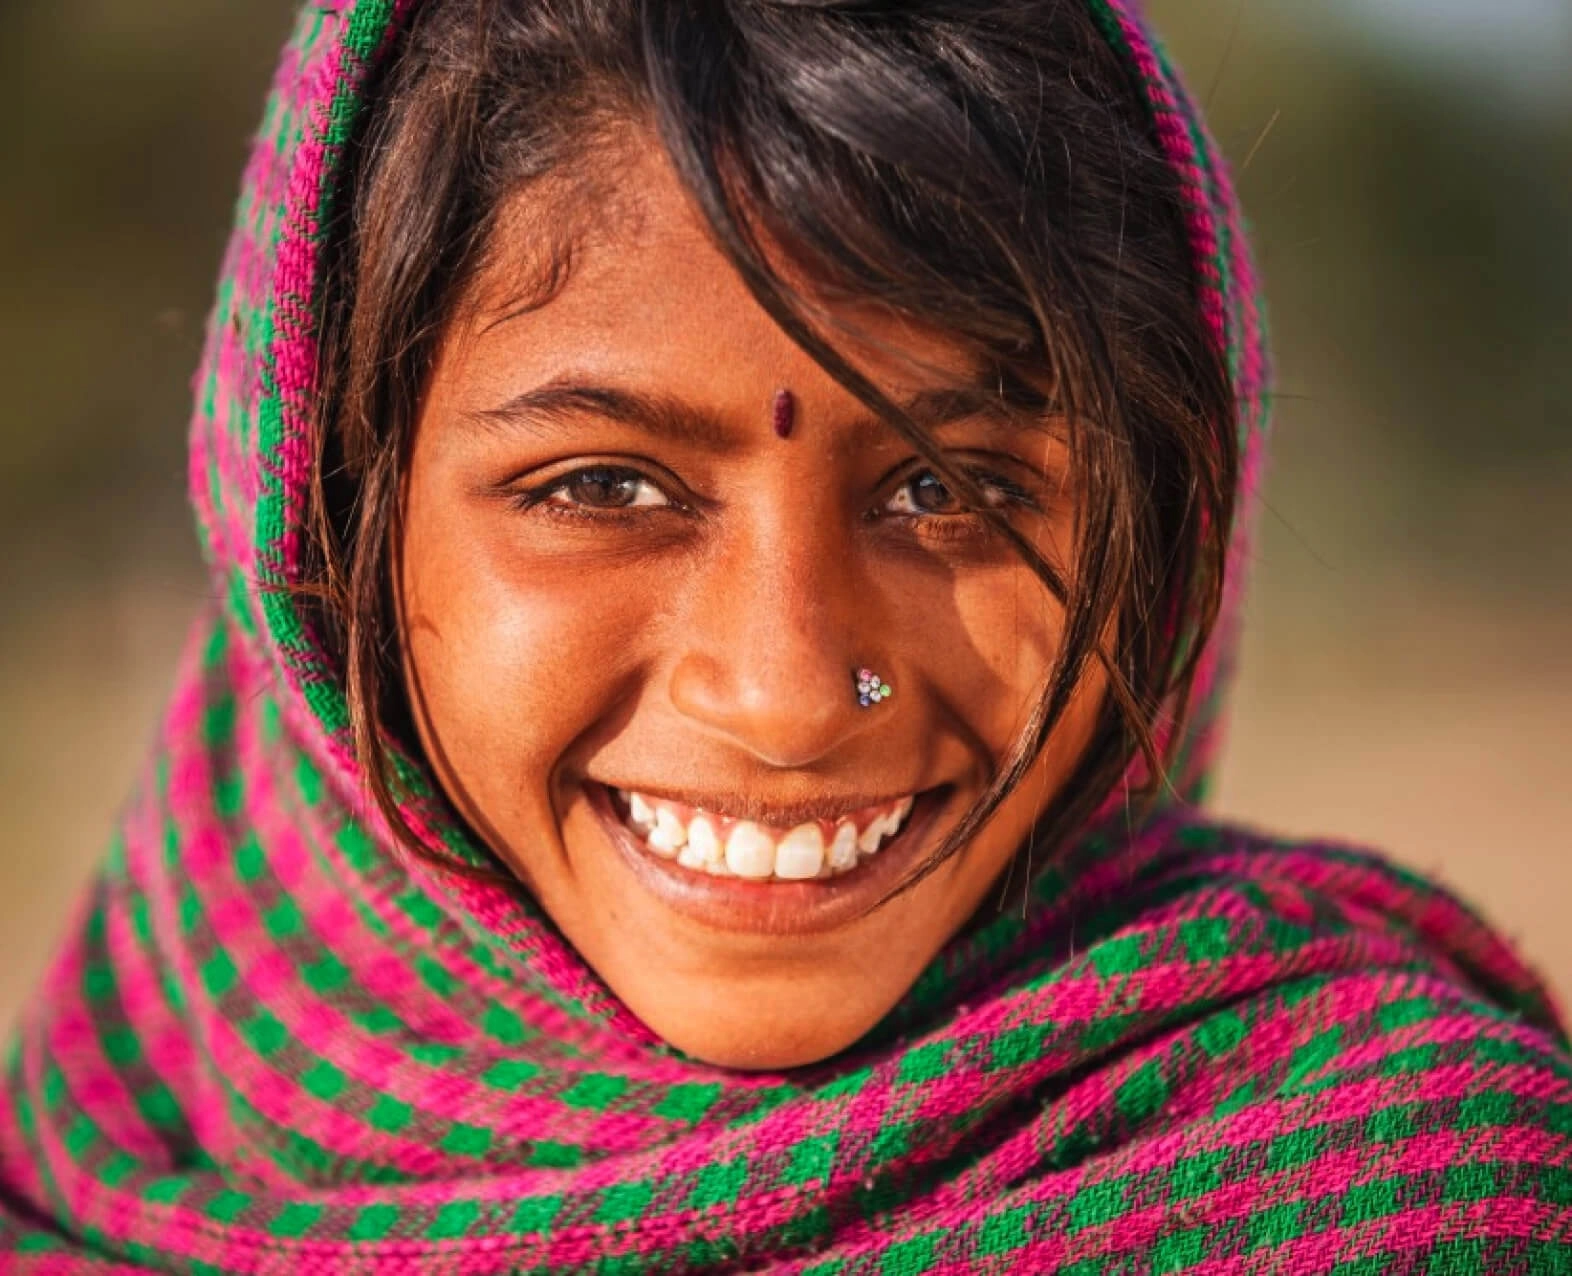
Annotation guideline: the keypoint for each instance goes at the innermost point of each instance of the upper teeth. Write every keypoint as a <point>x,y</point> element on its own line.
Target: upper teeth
<point>716,844</point>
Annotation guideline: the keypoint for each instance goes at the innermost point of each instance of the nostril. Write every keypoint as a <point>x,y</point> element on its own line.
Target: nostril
<point>786,710</point>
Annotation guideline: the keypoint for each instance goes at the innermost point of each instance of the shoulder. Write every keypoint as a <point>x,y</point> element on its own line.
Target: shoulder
<point>1284,895</point>
<point>1377,1076</point>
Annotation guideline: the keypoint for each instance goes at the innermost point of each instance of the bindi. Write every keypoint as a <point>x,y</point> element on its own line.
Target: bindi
<point>785,416</point>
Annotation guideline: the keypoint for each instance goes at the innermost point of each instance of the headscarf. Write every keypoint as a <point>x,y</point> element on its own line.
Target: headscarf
<point>276,1044</point>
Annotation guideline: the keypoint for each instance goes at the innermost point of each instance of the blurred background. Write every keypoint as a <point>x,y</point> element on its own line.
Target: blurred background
<point>1407,679</point>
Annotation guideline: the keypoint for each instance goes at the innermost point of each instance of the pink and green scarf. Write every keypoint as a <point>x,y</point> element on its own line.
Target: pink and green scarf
<point>273,1044</point>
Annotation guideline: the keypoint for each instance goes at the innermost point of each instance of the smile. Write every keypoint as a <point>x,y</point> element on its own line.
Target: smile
<point>738,865</point>
<point>721,845</point>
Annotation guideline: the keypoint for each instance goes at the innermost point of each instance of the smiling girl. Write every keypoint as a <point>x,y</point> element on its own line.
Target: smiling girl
<point>726,520</point>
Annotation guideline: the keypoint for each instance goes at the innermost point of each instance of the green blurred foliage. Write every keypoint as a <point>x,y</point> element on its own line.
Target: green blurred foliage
<point>129,127</point>
<point>1414,224</point>
<point>1415,230</point>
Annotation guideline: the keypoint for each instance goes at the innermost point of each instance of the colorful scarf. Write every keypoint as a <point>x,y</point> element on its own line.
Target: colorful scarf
<point>275,1045</point>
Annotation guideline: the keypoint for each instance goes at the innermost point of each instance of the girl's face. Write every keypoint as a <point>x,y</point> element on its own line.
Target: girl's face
<point>633,616</point>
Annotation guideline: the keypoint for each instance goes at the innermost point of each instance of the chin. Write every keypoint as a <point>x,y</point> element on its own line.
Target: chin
<point>733,1034</point>
<point>764,974</point>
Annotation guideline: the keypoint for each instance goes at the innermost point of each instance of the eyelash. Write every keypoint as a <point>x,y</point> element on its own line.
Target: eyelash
<point>1008,493</point>
<point>540,498</point>
<point>960,522</point>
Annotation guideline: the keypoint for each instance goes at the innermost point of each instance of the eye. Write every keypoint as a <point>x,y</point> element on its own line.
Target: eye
<point>925,493</point>
<point>603,487</point>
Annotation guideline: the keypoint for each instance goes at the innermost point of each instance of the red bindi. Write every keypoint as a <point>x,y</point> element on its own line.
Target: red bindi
<point>785,414</point>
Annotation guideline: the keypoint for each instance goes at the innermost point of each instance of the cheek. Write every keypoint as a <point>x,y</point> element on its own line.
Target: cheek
<point>1000,633</point>
<point>507,666</point>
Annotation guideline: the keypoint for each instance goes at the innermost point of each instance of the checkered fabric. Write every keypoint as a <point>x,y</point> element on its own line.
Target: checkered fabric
<point>274,1045</point>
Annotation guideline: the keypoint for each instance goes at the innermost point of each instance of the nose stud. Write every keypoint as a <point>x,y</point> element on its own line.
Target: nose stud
<point>871,688</point>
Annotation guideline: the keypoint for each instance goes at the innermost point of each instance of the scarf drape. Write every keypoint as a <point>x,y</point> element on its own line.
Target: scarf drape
<point>274,1044</point>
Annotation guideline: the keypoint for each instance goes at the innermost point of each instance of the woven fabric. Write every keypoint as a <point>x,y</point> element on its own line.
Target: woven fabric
<point>274,1045</point>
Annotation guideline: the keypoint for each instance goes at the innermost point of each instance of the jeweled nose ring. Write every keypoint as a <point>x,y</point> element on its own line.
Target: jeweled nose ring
<point>871,688</point>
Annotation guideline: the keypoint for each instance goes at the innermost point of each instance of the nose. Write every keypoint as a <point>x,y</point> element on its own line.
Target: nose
<point>773,643</point>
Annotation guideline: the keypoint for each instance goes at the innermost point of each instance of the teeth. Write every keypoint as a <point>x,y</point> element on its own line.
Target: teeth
<point>640,814</point>
<point>800,854</point>
<point>669,836</point>
<point>843,847</point>
<point>872,836</point>
<point>750,851</point>
<point>705,843</point>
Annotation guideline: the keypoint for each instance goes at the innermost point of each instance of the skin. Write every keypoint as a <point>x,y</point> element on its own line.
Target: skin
<point>700,641</point>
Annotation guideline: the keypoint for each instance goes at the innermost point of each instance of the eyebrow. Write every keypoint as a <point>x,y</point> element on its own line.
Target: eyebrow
<point>564,400</point>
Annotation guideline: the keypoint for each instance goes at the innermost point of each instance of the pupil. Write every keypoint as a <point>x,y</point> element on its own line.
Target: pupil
<point>931,495</point>
<point>605,488</point>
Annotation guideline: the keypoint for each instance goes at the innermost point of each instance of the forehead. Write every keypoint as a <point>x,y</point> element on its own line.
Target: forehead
<point>624,264</point>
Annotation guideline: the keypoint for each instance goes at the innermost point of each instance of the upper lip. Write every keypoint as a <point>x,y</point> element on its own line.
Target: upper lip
<point>779,814</point>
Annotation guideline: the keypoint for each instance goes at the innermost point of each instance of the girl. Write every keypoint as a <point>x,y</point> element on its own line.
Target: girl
<point>726,518</point>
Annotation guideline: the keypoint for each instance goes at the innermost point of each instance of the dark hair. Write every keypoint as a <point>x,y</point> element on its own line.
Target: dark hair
<point>986,169</point>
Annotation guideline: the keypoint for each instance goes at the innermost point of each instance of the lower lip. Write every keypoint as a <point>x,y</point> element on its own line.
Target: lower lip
<point>737,905</point>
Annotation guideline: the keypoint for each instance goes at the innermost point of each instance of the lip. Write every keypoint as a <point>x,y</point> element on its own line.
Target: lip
<point>778,815</point>
<point>733,904</point>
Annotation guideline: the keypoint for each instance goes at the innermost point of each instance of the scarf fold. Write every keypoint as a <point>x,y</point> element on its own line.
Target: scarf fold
<point>274,1045</point>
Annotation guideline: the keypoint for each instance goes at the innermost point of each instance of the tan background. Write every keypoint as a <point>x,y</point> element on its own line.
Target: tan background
<point>1408,675</point>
